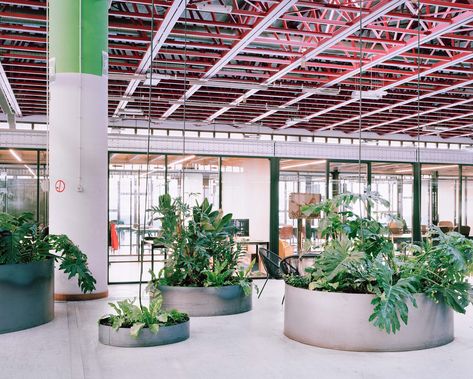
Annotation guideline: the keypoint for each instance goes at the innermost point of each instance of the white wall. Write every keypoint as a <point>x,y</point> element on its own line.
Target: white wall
<point>246,195</point>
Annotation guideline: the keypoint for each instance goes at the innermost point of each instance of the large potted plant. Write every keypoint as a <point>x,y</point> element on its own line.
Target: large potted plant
<point>27,256</point>
<point>361,291</point>
<point>201,276</point>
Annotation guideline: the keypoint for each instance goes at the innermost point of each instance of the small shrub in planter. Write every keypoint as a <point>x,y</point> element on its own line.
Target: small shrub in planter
<point>143,326</point>
<point>359,257</point>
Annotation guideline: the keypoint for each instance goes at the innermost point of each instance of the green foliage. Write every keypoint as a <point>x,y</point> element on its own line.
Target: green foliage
<point>201,243</point>
<point>129,315</point>
<point>359,257</point>
<point>24,241</point>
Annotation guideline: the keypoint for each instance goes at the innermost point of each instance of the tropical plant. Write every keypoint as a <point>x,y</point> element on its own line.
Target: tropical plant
<point>359,257</point>
<point>22,240</point>
<point>201,243</point>
<point>136,318</point>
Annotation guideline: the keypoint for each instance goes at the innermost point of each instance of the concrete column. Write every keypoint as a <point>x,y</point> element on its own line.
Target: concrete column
<point>78,35</point>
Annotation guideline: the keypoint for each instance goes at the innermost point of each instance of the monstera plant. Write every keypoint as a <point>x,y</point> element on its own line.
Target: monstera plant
<point>22,240</point>
<point>358,256</point>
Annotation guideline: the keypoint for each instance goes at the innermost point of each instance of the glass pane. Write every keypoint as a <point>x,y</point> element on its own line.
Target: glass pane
<point>18,181</point>
<point>130,182</point>
<point>245,194</point>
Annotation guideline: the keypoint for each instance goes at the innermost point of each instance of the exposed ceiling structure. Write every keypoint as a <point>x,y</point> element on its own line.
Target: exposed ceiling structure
<point>279,64</point>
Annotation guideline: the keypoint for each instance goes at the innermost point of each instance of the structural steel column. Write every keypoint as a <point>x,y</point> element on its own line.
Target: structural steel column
<point>434,201</point>
<point>460,196</point>
<point>78,35</point>
<point>416,206</point>
<point>274,206</point>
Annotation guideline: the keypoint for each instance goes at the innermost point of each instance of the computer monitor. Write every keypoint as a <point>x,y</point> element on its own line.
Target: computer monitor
<point>243,227</point>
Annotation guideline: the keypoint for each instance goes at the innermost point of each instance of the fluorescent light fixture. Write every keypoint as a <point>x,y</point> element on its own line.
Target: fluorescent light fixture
<point>200,103</point>
<point>181,160</point>
<point>123,76</point>
<point>246,124</point>
<point>213,7</point>
<point>225,84</point>
<point>303,164</point>
<point>122,98</point>
<point>294,121</point>
<point>211,104</point>
<point>132,111</point>
<point>369,95</point>
<point>435,128</point>
<point>30,170</point>
<point>17,157</point>
<point>154,79</point>
<point>321,91</point>
<point>429,168</point>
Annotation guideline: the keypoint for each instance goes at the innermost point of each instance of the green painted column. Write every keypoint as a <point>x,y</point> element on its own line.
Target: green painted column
<point>416,206</point>
<point>78,120</point>
<point>78,35</point>
<point>274,206</point>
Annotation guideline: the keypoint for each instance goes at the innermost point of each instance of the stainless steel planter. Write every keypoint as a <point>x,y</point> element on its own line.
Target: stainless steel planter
<point>122,338</point>
<point>206,301</point>
<point>340,321</point>
<point>26,295</point>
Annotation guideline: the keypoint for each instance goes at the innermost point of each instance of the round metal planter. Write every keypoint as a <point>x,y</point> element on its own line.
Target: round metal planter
<point>340,321</point>
<point>206,301</point>
<point>26,295</point>
<point>165,336</point>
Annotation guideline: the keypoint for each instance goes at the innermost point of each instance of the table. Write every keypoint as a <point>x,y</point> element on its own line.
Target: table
<point>256,243</point>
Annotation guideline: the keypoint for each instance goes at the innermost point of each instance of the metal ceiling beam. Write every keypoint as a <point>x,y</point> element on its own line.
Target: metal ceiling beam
<point>412,115</point>
<point>439,66</point>
<point>273,14</point>
<point>8,102</point>
<point>341,34</point>
<point>165,28</point>
<point>412,43</point>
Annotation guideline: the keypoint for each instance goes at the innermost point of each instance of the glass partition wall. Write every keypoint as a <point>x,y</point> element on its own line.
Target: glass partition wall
<point>23,183</point>
<point>236,185</point>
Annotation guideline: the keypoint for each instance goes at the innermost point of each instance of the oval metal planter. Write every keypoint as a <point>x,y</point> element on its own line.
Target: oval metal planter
<point>165,336</point>
<point>26,295</point>
<point>206,301</point>
<point>340,321</point>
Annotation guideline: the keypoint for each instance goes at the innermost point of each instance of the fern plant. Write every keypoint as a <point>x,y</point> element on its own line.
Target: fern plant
<point>359,257</point>
<point>131,316</point>
<point>22,240</point>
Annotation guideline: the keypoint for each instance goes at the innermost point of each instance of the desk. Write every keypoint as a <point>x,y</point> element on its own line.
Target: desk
<point>257,244</point>
<point>406,237</point>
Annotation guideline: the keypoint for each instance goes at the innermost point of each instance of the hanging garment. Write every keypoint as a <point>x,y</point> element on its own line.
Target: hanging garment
<point>114,237</point>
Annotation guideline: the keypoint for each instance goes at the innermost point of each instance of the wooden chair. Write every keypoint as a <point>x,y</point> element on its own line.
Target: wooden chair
<point>446,226</point>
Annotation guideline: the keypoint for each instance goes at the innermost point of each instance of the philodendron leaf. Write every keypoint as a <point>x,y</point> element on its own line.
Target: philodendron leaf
<point>163,318</point>
<point>117,323</point>
<point>136,329</point>
<point>154,328</point>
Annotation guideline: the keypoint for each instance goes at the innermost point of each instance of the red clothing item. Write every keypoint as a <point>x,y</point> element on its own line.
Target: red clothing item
<point>114,237</point>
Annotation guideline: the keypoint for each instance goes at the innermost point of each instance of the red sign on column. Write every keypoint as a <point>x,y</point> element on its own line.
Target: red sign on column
<point>60,186</point>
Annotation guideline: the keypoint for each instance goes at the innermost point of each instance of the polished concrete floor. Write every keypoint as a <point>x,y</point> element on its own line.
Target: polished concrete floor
<point>249,345</point>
